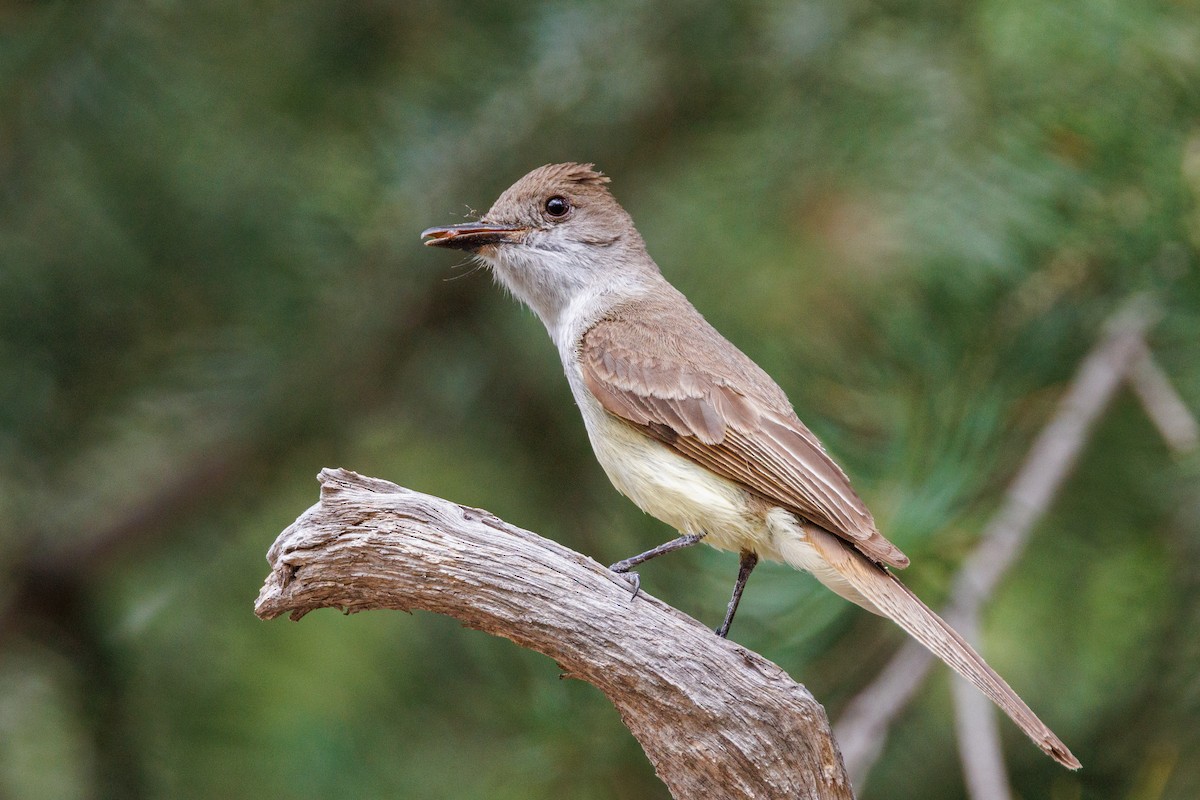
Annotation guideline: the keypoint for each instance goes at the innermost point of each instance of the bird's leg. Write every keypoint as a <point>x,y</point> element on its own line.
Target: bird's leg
<point>749,560</point>
<point>686,540</point>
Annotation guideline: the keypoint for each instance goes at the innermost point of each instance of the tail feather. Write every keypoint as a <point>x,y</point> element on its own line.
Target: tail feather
<point>891,598</point>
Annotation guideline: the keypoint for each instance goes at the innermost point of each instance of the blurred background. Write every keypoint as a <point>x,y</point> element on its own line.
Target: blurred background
<point>915,215</point>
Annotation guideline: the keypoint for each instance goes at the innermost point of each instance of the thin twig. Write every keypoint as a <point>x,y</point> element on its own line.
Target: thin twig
<point>1162,403</point>
<point>978,734</point>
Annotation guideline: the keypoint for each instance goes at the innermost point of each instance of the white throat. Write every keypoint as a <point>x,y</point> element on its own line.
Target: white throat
<point>569,288</point>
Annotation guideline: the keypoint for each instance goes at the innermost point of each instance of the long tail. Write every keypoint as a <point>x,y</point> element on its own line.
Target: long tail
<point>887,596</point>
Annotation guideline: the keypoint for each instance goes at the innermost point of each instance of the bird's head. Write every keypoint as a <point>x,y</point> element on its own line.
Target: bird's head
<point>554,235</point>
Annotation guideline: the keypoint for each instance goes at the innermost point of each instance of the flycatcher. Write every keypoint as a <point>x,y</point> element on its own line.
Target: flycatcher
<point>687,426</point>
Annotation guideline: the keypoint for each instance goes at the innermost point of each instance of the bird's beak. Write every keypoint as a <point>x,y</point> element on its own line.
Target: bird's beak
<point>471,235</point>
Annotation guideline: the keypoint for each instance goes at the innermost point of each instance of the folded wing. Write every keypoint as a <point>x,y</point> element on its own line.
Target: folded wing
<point>703,397</point>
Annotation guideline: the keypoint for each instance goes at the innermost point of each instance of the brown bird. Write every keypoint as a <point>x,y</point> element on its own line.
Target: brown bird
<point>685,424</point>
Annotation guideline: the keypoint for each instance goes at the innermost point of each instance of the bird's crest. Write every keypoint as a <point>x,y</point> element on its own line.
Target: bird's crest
<point>584,174</point>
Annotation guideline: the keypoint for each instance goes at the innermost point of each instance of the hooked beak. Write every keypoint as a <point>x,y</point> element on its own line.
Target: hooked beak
<point>471,235</point>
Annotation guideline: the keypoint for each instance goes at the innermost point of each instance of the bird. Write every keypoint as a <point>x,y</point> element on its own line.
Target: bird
<point>687,426</point>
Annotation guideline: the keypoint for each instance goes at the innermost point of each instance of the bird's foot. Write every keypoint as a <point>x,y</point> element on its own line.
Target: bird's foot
<point>624,567</point>
<point>632,578</point>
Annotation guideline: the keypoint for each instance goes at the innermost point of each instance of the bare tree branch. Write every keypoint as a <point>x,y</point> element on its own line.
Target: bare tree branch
<point>715,719</point>
<point>863,726</point>
<point>978,736</point>
<point>1162,403</point>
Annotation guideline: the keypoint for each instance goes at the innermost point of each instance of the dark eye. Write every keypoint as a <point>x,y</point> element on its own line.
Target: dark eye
<point>557,206</point>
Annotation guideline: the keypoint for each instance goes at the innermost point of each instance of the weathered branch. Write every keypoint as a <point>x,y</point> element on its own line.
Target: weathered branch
<point>863,726</point>
<point>715,719</point>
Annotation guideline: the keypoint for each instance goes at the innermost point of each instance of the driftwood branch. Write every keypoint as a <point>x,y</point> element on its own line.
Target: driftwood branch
<point>715,719</point>
<point>862,729</point>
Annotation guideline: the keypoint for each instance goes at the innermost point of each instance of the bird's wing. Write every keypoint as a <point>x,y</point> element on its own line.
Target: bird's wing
<point>734,421</point>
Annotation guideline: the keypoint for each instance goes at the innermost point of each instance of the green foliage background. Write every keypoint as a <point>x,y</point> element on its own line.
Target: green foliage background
<point>916,215</point>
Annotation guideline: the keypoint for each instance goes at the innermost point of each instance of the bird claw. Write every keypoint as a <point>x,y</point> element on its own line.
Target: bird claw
<point>632,578</point>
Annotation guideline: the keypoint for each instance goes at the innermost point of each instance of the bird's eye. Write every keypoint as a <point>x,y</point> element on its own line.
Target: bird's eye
<point>557,207</point>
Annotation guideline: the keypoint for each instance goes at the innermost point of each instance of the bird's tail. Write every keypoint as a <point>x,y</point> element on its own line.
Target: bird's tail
<point>852,575</point>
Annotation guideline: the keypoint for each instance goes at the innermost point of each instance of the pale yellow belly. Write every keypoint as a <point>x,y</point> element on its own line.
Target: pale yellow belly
<point>674,489</point>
